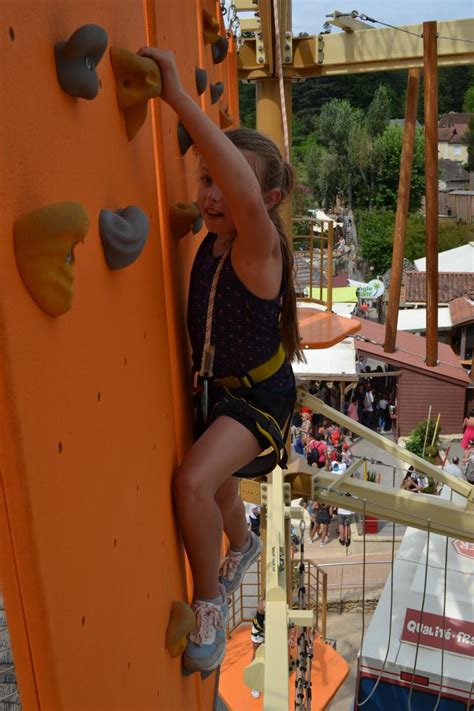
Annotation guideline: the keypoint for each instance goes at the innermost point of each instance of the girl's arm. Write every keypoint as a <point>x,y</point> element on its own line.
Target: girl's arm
<point>227,165</point>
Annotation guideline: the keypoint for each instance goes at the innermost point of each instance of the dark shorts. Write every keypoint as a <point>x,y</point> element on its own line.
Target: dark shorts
<point>323,517</point>
<point>344,519</point>
<point>244,406</point>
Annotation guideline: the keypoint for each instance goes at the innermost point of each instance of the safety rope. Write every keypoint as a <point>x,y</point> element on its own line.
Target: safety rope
<point>281,83</point>
<point>423,599</point>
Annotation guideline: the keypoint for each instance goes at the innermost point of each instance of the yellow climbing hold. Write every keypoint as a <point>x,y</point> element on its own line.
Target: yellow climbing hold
<point>181,623</point>
<point>137,79</point>
<point>44,240</point>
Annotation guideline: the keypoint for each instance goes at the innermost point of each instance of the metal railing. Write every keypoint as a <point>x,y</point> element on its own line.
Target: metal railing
<point>347,577</point>
<point>244,601</point>
<point>325,238</point>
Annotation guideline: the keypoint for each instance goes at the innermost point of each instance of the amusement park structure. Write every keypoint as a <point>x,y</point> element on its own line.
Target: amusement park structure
<point>97,186</point>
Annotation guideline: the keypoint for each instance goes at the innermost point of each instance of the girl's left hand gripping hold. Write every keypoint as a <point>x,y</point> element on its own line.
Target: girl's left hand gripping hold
<point>171,86</point>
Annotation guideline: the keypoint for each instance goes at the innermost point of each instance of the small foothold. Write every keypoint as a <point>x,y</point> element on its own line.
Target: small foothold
<point>225,119</point>
<point>184,139</point>
<point>210,28</point>
<point>123,234</point>
<point>219,49</point>
<point>201,80</point>
<point>181,622</point>
<point>77,59</point>
<point>184,218</point>
<point>44,241</point>
<point>216,92</point>
<point>137,79</point>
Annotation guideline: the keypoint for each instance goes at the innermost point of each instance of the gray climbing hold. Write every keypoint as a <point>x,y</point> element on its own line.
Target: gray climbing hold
<point>76,61</point>
<point>216,91</point>
<point>201,80</point>
<point>219,49</point>
<point>123,234</point>
<point>184,139</point>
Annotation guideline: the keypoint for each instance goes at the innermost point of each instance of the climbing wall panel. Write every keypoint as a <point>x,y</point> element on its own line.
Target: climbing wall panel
<point>93,414</point>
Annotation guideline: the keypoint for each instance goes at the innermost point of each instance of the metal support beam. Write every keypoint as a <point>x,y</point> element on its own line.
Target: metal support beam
<point>361,51</point>
<point>458,485</point>
<point>416,510</point>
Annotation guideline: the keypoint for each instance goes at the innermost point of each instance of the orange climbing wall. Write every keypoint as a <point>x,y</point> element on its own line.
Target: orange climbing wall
<point>94,414</point>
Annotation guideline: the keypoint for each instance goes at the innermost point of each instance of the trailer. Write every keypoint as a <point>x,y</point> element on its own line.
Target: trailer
<point>418,651</point>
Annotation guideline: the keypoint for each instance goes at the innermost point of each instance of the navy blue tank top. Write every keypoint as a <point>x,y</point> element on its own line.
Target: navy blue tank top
<point>245,328</point>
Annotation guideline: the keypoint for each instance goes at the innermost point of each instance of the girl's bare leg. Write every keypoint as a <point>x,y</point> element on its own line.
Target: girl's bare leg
<point>233,513</point>
<point>223,449</point>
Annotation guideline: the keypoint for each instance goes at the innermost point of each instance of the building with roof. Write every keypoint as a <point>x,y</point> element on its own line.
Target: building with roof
<point>461,312</point>
<point>452,128</point>
<point>459,259</point>
<point>452,175</point>
<point>443,387</point>
<point>451,285</point>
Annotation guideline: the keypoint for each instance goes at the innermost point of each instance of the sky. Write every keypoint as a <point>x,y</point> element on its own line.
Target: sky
<point>310,15</point>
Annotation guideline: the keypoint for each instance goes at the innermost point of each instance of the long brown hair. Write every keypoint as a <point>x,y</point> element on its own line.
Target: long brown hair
<point>273,171</point>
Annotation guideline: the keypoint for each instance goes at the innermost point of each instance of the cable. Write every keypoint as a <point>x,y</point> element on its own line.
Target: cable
<point>421,613</point>
<point>444,620</point>
<point>377,682</point>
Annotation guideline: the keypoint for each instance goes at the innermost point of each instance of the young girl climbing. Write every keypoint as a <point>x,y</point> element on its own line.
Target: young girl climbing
<point>243,331</point>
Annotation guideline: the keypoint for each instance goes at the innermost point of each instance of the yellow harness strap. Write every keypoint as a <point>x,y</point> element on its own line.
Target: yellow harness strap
<point>256,375</point>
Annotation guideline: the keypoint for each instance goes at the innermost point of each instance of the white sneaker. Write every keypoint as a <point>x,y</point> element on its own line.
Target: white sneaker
<point>255,694</point>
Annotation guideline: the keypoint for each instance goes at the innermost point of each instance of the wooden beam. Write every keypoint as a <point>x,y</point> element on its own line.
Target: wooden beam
<point>431,188</point>
<point>403,200</point>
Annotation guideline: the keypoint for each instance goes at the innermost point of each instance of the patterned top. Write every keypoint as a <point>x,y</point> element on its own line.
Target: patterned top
<point>245,327</point>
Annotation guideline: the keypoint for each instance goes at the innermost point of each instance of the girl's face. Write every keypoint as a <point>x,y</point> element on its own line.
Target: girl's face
<point>212,204</point>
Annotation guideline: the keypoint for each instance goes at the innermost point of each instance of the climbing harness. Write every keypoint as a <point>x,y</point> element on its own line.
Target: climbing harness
<point>208,351</point>
<point>255,375</point>
<point>266,425</point>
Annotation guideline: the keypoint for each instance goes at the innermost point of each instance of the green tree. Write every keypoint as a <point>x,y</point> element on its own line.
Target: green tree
<point>468,103</point>
<point>378,114</point>
<point>469,140</point>
<point>387,153</point>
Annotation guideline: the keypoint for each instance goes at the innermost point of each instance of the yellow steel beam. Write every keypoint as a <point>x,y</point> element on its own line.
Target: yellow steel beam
<point>460,486</point>
<point>362,51</point>
<point>421,511</point>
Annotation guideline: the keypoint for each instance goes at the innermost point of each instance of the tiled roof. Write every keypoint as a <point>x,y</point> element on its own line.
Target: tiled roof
<point>445,134</point>
<point>451,285</point>
<point>461,310</point>
<point>410,352</point>
<point>454,119</point>
<point>452,170</point>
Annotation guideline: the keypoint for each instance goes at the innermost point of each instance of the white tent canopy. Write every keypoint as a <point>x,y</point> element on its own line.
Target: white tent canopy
<point>415,320</point>
<point>333,363</point>
<point>459,259</point>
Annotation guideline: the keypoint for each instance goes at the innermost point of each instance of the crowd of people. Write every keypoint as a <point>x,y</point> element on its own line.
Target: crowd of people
<point>368,402</point>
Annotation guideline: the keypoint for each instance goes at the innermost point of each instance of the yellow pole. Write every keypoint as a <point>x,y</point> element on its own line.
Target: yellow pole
<point>435,429</point>
<point>269,122</point>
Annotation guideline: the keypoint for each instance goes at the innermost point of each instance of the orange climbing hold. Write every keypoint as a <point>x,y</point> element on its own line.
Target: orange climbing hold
<point>210,28</point>
<point>138,79</point>
<point>181,623</point>
<point>44,240</point>
<point>184,218</point>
